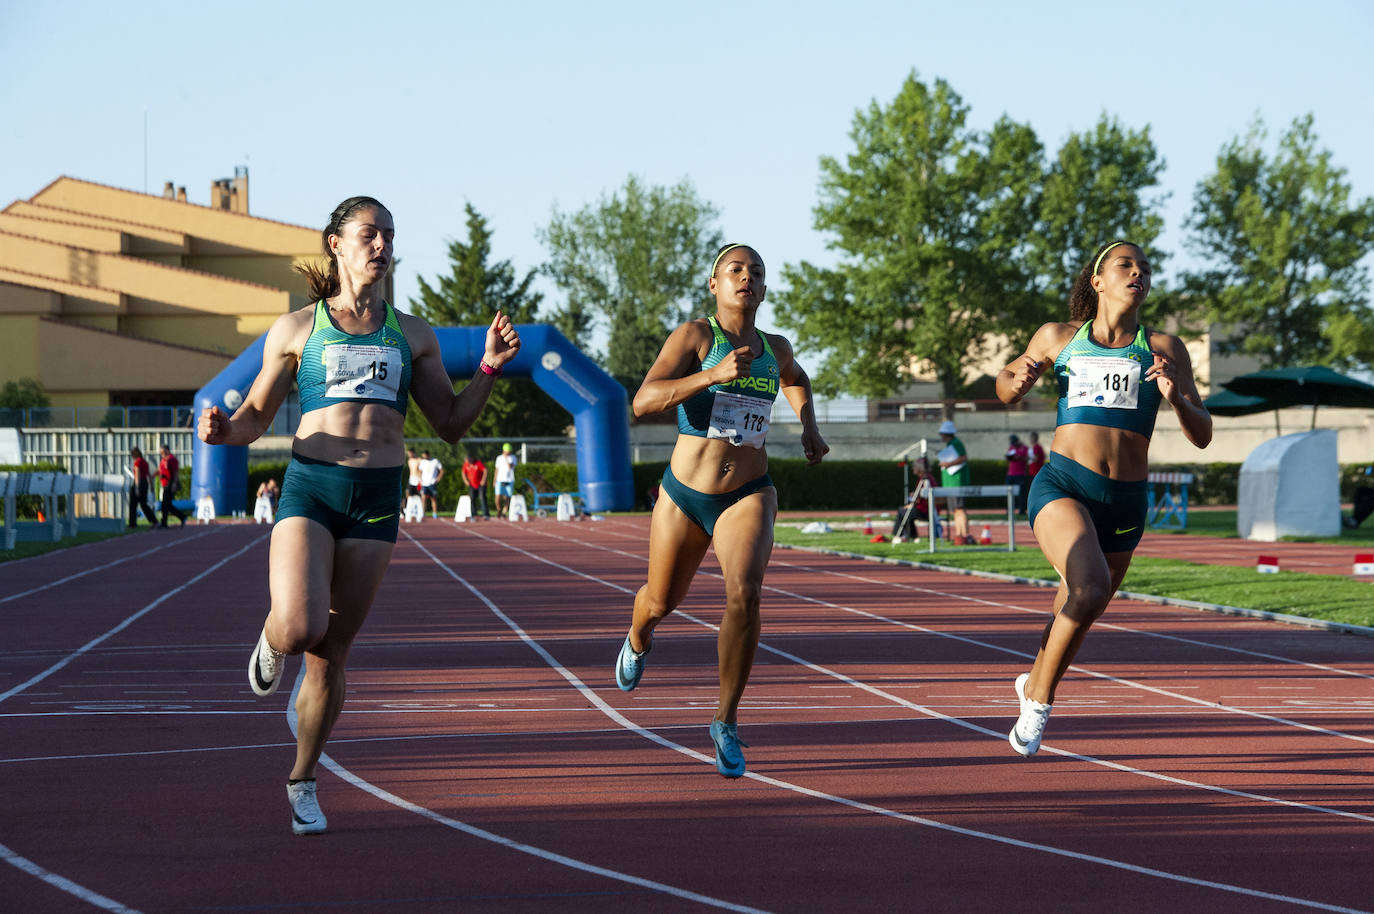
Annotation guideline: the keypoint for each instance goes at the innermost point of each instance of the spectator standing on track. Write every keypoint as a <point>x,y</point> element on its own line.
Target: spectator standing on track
<point>357,362</point>
<point>1088,505</point>
<point>954,471</point>
<point>431,471</point>
<point>1017,475</point>
<point>475,473</point>
<point>412,472</point>
<point>169,477</point>
<point>722,374</point>
<point>506,462</point>
<point>1037,455</point>
<point>140,477</point>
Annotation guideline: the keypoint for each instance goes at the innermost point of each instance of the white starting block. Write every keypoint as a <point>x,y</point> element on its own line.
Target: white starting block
<point>262,510</point>
<point>517,508</point>
<point>205,510</point>
<point>566,511</point>
<point>415,509</point>
<point>464,512</point>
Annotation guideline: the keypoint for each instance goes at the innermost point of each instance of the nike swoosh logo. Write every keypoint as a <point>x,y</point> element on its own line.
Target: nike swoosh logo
<point>373,520</point>
<point>1127,530</point>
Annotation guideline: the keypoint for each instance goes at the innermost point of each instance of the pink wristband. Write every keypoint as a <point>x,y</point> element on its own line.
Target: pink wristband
<point>487,369</point>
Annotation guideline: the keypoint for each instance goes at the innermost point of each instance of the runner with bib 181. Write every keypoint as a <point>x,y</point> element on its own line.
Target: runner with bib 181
<point>1088,503</point>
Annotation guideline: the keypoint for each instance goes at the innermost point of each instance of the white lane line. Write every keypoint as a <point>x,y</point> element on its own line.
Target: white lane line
<point>387,796</point>
<point>1098,624</point>
<point>629,725</point>
<point>125,624</point>
<point>63,883</point>
<point>1006,650</point>
<point>963,722</point>
<point>1003,579</point>
<point>81,574</point>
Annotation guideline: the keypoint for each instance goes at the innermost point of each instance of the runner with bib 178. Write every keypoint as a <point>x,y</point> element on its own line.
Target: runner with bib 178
<point>1088,503</point>
<point>721,374</point>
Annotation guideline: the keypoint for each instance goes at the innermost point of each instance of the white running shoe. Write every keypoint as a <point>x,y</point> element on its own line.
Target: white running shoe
<point>306,818</point>
<point>1030,726</point>
<point>265,667</point>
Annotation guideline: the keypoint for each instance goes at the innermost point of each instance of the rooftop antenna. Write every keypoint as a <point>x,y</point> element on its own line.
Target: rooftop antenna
<point>145,151</point>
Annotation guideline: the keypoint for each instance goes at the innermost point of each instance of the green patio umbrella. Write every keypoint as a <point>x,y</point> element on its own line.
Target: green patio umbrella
<point>1311,385</point>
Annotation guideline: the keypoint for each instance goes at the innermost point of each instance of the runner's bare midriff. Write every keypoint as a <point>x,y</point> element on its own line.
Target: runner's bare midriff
<point>713,466</point>
<point>352,434</point>
<point>1112,452</point>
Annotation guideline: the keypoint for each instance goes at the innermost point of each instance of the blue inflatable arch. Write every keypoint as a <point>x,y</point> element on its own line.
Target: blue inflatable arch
<point>597,402</point>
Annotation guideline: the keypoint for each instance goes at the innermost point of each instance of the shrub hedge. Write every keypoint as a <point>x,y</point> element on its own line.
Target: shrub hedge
<point>832,485</point>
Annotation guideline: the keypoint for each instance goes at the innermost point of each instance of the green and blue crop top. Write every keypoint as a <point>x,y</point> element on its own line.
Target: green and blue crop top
<point>1106,387</point>
<point>737,411</point>
<point>338,367</point>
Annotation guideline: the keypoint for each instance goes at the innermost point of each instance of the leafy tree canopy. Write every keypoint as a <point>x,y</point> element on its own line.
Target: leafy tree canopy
<point>468,296</point>
<point>634,262</point>
<point>1282,244</point>
<point>953,241</point>
<point>23,393</point>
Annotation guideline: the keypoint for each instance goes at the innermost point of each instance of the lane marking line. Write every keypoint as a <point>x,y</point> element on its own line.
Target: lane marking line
<point>125,624</point>
<point>64,884</point>
<point>629,725</point>
<point>962,722</point>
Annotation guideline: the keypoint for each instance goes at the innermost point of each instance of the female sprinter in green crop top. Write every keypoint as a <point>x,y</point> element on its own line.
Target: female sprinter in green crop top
<point>1088,504</point>
<point>722,374</point>
<point>357,361</point>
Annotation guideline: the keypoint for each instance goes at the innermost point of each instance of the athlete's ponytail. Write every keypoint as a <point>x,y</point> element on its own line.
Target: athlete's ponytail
<point>324,283</point>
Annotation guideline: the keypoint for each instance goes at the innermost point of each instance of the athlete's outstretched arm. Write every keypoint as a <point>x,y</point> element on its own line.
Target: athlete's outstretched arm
<point>264,398</point>
<point>1173,370</point>
<point>796,387</point>
<point>673,378</point>
<point>453,414</point>
<point>1021,373</point>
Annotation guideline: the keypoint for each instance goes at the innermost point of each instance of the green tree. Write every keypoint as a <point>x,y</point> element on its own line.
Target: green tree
<point>18,395</point>
<point>1281,244</point>
<point>1103,185</point>
<point>472,292</point>
<point>635,262</point>
<point>23,393</point>
<point>930,218</point>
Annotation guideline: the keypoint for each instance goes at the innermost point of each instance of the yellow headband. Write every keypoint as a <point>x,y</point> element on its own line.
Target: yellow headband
<point>1098,265</point>
<point>723,252</point>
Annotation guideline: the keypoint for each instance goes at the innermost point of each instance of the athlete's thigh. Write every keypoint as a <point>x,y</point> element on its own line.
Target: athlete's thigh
<point>300,565</point>
<point>1065,532</point>
<point>744,537</point>
<point>676,548</point>
<point>359,566</point>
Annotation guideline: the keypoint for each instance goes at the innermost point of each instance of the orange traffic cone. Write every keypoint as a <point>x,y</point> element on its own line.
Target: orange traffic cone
<point>986,536</point>
<point>41,518</point>
<point>868,526</point>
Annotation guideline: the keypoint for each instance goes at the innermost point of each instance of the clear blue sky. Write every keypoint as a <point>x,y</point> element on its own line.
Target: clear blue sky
<point>517,106</point>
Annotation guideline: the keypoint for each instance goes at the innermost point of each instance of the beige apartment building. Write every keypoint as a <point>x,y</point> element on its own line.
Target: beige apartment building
<point>112,297</point>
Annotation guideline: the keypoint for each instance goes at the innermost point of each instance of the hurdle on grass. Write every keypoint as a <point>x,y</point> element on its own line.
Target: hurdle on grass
<point>1009,492</point>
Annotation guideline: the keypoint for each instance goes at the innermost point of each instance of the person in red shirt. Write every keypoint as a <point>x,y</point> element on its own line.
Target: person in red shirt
<point>1017,456</point>
<point>475,472</point>
<point>138,489</point>
<point>169,475</point>
<point>1037,454</point>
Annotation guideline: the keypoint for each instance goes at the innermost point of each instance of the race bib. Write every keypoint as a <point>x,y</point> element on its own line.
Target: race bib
<point>1104,381</point>
<point>738,419</point>
<point>366,372</point>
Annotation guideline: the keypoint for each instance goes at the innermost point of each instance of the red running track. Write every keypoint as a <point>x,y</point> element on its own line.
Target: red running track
<point>486,761</point>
